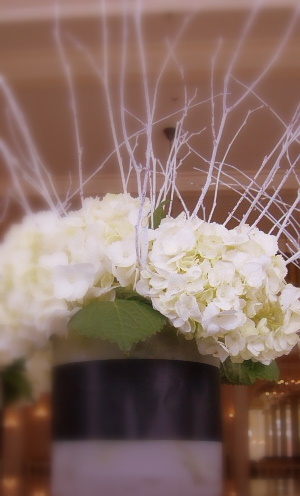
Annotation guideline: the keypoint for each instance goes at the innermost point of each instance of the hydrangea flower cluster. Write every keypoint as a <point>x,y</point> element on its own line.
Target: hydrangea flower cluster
<point>29,310</point>
<point>225,288</point>
<point>52,266</point>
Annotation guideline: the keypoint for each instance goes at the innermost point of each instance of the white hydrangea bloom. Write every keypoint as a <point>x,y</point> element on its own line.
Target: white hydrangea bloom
<point>71,282</point>
<point>29,310</point>
<point>102,234</point>
<point>51,266</point>
<point>226,287</point>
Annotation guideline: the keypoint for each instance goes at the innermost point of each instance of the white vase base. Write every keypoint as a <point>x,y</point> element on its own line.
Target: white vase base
<point>137,468</point>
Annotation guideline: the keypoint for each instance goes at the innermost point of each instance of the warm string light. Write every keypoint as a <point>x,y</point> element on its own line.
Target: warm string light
<point>290,382</point>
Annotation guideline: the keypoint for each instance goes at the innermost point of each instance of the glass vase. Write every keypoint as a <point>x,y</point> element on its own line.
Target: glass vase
<point>144,424</point>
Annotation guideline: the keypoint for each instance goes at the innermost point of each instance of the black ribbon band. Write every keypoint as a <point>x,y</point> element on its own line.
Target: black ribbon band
<point>136,399</point>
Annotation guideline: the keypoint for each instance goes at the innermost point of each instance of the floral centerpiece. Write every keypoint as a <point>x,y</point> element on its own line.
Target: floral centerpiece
<point>223,288</point>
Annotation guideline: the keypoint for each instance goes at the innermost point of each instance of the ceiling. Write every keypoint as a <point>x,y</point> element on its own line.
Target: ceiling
<point>32,67</point>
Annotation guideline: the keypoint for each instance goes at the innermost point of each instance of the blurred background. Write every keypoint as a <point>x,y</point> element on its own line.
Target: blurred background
<point>261,423</point>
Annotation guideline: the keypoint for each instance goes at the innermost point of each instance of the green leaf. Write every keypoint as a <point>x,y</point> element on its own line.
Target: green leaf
<point>129,294</point>
<point>124,322</point>
<point>159,214</point>
<point>267,372</point>
<point>15,383</point>
<point>248,372</point>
